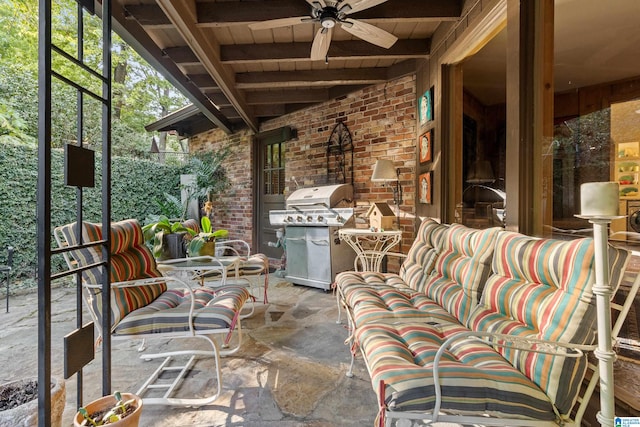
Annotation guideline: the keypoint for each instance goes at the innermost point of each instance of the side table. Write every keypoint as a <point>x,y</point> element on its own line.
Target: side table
<point>370,246</point>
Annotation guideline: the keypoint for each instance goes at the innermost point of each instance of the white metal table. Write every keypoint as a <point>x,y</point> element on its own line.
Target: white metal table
<point>370,246</point>
<point>202,267</point>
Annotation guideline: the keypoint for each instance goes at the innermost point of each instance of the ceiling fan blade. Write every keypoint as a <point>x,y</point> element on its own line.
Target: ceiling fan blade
<point>317,3</point>
<point>369,33</point>
<point>277,23</point>
<point>320,45</point>
<point>354,6</point>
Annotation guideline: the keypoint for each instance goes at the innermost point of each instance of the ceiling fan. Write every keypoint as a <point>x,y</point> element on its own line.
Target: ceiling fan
<point>329,14</point>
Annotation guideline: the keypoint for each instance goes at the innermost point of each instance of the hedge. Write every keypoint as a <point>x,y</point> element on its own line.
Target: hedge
<point>136,184</point>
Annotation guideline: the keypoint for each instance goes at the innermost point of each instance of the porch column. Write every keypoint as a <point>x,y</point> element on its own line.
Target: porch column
<point>529,177</point>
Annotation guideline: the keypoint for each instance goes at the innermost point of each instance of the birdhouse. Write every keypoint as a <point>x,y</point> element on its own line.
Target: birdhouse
<point>380,216</point>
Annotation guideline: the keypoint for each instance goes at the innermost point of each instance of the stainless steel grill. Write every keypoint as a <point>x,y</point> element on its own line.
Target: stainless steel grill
<point>311,220</point>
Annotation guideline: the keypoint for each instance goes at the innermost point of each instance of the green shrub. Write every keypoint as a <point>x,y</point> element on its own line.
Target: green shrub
<point>136,185</point>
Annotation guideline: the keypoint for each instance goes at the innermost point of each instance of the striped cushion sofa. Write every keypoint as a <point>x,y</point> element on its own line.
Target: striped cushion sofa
<point>479,327</point>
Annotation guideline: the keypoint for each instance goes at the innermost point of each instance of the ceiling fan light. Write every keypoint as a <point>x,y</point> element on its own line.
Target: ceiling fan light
<point>328,22</point>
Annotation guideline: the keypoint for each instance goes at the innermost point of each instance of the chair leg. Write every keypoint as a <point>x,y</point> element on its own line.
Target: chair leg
<point>237,328</point>
<point>265,300</point>
<point>166,399</point>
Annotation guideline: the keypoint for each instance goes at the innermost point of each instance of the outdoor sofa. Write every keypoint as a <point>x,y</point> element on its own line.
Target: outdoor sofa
<point>486,327</point>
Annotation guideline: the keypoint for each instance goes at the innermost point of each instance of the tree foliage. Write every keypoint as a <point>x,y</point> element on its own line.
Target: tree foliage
<point>136,186</point>
<point>139,93</point>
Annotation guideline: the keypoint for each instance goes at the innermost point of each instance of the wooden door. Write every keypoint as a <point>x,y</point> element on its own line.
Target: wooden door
<point>270,184</point>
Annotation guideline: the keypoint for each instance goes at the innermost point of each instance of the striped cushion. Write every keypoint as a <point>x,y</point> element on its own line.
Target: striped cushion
<point>421,257</point>
<point>542,288</point>
<point>255,264</point>
<point>130,260</point>
<point>192,224</point>
<point>461,269</point>
<point>393,305</point>
<point>349,281</point>
<point>414,270</point>
<point>170,312</point>
<point>85,256</point>
<point>474,377</point>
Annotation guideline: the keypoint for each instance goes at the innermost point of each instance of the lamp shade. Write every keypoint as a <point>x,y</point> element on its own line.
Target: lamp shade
<point>480,173</point>
<point>384,171</point>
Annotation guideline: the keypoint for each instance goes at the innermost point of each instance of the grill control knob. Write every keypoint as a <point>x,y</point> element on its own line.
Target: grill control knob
<point>320,218</point>
<point>309,218</point>
<point>288,219</point>
<point>339,218</point>
<point>299,218</point>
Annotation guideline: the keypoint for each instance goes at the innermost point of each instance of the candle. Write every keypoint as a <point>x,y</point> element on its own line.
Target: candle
<point>599,199</point>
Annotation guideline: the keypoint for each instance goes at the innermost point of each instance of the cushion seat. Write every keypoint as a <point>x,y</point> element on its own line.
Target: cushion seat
<point>170,312</point>
<point>474,377</point>
<point>394,305</point>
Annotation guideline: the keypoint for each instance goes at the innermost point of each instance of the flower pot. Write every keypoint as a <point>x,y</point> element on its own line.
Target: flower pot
<point>173,246</point>
<point>26,415</point>
<point>107,402</point>
<point>208,248</point>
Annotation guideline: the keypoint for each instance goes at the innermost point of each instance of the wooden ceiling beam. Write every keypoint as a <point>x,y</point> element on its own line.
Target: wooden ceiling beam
<point>182,14</point>
<point>351,49</point>
<point>284,79</point>
<point>217,97</point>
<point>238,13</point>
<point>147,15</point>
<point>136,36</point>
<point>181,55</point>
<point>243,13</point>
<point>274,110</point>
<point>266,97</point>
<point>203,81</point>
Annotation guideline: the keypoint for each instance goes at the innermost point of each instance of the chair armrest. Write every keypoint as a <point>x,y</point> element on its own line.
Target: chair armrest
<point>152,281</point>
<point>233,244</point>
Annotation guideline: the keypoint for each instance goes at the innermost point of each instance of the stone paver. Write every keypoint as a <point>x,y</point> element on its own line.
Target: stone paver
<point>289,372</point>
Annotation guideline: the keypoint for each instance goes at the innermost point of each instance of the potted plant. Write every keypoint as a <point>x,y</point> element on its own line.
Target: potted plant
<point>117,410</point>
<point>204,243</point>
<point>166,237</point>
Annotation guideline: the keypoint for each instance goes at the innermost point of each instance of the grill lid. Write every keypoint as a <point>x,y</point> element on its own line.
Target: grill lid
<point>328,196</point>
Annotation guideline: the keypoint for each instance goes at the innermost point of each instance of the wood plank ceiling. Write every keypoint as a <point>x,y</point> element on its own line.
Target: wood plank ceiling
<point>238,77</point>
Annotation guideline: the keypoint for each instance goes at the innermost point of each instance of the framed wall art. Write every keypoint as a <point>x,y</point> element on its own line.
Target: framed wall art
<point>425,191</point>
<point>425,146</point>
<point>425,106</point>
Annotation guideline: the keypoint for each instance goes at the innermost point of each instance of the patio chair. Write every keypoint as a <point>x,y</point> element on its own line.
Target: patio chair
<point>5,270</point>
<point>144,306</point>
<point>251,268</point>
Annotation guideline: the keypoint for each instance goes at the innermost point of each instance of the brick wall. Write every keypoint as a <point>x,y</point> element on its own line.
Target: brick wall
<point>382,122</point>
<point>233,210</point>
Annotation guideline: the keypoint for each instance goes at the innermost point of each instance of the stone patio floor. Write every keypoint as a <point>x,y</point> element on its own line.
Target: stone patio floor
<point>290,370</point>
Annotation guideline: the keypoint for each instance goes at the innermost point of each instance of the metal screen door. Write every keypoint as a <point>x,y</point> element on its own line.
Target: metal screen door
<point>96,88</point>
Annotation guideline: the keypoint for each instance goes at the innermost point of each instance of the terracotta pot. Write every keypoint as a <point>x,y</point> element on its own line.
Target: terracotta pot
<point>26,415</point>
<point>107,402</point>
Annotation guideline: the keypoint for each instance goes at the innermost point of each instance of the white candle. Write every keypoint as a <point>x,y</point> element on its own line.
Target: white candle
<point>599,199</point>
